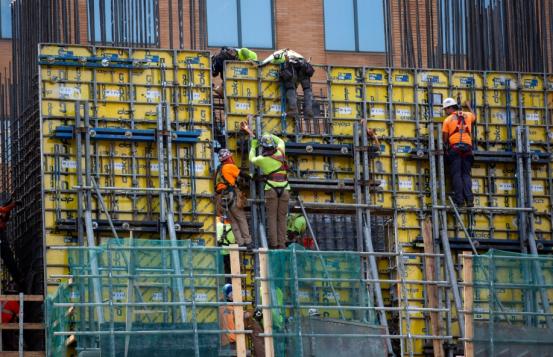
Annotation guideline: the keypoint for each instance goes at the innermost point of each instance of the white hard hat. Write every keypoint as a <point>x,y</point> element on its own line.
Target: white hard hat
<point>449,102</point>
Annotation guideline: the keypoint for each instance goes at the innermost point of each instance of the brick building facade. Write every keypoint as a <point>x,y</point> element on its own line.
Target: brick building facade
<point>296,25</point>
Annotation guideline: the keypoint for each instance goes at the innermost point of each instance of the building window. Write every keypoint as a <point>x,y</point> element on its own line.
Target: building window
<point>354,25</point>
<point>240,23</point>
<point>111,22</point>
<point>5,19</point>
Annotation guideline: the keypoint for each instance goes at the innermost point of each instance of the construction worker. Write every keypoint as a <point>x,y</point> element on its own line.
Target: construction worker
<point>229,54</point>
<point>371,136</point>
<point>297,227</point>
<point>225,237</point>
<point>10,310</point>
<point>10,314</point>
<point>226,319</point>
<point>232,198</point>
<point>5,213</point>
<point>294,70</point>
<point>457,138</point>
<point>274,167</point>
<point>5,249</point>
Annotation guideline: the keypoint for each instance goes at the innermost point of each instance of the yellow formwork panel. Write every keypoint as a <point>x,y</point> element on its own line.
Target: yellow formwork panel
<point>435,79</point>
<point>125,98</point>
<point>412,295</point>
<point>499,86</point>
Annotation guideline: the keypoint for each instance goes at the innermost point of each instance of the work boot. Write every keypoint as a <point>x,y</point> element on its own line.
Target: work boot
<point>470,204</point>
<point>250,247</point>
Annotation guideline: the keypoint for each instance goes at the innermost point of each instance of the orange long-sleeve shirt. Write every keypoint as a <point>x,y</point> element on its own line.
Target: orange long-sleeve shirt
<point>230,173</point>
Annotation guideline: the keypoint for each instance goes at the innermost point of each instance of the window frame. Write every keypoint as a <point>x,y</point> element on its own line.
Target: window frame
<point>91,6</point>
<point>2,37</point>
<point>355,31</point>
<point>239,28</point>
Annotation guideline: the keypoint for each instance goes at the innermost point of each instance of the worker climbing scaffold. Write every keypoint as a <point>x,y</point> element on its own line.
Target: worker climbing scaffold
<point>274,169</point>
<point>456,133</point>
<point>231,198</point>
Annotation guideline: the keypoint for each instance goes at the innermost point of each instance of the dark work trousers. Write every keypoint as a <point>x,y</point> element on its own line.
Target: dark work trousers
<point>299,77</point>
<point>460,171</point>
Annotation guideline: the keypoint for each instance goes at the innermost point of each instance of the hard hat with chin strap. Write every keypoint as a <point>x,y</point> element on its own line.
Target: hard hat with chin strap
<point>449,102</point>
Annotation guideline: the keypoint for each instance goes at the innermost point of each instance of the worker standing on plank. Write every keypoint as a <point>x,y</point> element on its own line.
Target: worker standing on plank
<point>229,54</point>
<point>274,167</point>
<point>231,198</point>
<point>457,138</point>
<point>295,69</point>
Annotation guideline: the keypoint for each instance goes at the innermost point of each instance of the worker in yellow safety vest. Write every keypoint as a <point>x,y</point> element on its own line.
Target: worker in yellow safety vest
<point>229,54</point>
<point>294,70</point>
<point>274,168</point>
<point>225,237</point>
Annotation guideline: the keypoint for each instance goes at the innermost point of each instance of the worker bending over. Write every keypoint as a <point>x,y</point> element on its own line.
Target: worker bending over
<point>457,138</point>
<point>274,168</point>
<point>297,231</point>
<point>229,54</point>
<point>231,198</point>
<point>295,69</point>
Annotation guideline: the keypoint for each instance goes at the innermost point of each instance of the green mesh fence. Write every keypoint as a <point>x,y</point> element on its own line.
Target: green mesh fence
<point>319,298</point>
<point>512,294</point>
<point>139,298</point>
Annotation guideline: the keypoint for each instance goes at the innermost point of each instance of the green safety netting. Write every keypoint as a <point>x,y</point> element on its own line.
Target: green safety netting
<point>123,300</point>
<point>316,293</point>
<point>512,295</point>
<point>134,285</point>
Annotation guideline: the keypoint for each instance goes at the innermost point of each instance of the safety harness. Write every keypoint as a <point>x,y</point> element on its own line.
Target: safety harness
<point>277,175</point>
<point>461,148</point>
<point>228,195</point>
<point>224,237</point>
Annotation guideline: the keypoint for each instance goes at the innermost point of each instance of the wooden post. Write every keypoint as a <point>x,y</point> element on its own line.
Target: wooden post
<point>468,297</point>
<point>237,298</point>
<point>431,289</point>
<point>266,301</point>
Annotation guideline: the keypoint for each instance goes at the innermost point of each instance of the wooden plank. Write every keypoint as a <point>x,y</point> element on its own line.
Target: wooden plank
<point>468,298</point>
<point>39,298</point>
<point>266,301</point>
<point>431,289</point>
<point>26,326</point>
<point>237,297</point>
